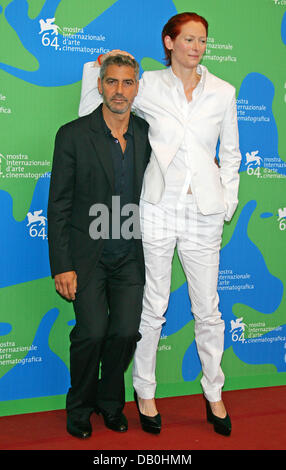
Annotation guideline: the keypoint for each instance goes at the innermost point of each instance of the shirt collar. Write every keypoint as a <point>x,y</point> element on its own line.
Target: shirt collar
<point>107,131</point>
<point>176,81</point>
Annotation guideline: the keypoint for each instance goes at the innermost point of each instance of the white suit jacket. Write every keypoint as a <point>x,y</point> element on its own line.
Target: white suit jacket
<point>213,118</point>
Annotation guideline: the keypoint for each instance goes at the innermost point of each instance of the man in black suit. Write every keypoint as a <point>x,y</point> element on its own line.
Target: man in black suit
<point>98,167</point>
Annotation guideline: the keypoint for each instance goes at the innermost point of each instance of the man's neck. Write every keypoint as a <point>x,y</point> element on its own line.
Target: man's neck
<point>117,123</point>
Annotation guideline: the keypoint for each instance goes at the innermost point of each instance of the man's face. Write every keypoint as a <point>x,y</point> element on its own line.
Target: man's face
<point>118,88</point>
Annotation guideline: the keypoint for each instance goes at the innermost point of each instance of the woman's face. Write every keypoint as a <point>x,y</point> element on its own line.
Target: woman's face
<point>189,46</point>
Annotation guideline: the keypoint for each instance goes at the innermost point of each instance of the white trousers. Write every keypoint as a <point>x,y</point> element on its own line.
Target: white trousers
<point>198,241</point>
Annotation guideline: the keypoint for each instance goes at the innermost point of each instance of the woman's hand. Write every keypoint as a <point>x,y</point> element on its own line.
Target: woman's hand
<point>113,52</point>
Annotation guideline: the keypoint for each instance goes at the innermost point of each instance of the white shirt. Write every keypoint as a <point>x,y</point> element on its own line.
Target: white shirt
<point>178,176</point>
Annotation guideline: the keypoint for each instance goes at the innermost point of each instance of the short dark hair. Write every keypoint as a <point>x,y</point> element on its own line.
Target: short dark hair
<point>120,60</point>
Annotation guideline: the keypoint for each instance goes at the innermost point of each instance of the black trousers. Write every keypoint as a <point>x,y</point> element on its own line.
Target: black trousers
<point>103,341</point>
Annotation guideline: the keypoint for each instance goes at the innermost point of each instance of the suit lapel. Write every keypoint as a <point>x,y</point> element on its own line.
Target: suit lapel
<point>100,144</point>
<point>139,160</point>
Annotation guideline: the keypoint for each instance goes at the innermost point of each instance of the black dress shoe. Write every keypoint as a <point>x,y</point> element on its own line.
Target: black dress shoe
<point>77,427</point>
<point>115,422</point>
<point>151,424</point>
<point>221,425</point>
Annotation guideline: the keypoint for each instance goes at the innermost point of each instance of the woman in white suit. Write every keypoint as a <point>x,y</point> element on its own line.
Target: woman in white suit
<point>185,200</point>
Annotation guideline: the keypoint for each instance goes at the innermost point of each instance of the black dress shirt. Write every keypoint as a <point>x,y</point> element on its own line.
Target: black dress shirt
<point>123,166</point>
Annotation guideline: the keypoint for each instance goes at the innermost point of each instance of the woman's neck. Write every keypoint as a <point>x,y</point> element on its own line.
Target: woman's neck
<point>189,77</point>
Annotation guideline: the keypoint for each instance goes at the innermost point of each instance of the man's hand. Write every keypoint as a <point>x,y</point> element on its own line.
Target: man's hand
<point>66,284</point>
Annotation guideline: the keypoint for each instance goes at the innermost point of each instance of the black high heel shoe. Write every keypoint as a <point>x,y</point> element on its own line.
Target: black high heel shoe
<point>151,424</point>
<point>221,425</point>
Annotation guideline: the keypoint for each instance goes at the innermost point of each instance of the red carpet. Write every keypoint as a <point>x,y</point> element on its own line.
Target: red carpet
<point>258,420</point>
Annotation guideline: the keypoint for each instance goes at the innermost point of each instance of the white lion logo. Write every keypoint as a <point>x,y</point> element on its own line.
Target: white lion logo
<point>36,217</point>
<point>281,213</point>
<point>237,324</point>
<point>48,26</point>
<point>253,157</point>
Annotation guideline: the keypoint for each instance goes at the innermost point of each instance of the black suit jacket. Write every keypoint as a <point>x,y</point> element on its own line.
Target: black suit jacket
<point>82,175</point>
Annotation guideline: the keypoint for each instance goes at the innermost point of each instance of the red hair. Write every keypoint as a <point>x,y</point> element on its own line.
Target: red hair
<point>173,28</point>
